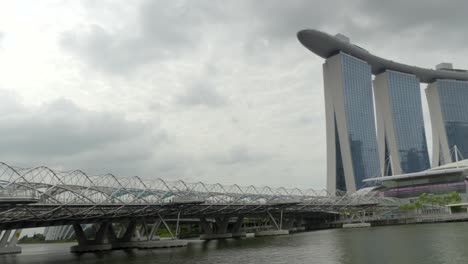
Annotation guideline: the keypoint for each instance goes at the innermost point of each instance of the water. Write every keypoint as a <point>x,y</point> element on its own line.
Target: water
<point>432,243</point>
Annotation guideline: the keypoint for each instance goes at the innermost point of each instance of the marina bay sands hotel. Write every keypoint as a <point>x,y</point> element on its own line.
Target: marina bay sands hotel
<point>364,142</point>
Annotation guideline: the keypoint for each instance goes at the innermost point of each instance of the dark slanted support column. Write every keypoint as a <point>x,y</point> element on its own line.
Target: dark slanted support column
<point>288,224</point>
<point>236,228</point>
<point>153,235</point>
<point>300,226</point>
<point>216,229</point>
<point>205,226</point>
<point>293,224</point>
<point>111,234</point>
<point>221,224</point>
<point>126,238</point>
<point>129,231</point>
<point>99,243</point>
<point>151,240</point>
<point>277,230</point>
<point>8,241</point>
<point>146,238</point>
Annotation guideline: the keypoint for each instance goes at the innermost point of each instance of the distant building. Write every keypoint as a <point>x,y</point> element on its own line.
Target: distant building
<point>351,139</point>
<point>448,106</point>
<point>444,179</point>
<point>58,232</point>
<point>353,154</point>
<point>400,123</point>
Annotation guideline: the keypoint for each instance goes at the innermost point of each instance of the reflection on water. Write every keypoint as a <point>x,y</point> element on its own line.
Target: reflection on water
<point>434,243</point>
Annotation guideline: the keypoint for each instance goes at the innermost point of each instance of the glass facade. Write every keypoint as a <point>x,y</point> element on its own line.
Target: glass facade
<point>434,184</point>
<point>407,118</point>
<point>360,121</point>
<point>453,96</point>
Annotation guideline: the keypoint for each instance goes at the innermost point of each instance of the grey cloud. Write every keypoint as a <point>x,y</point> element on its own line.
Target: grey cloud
<point>404,15</point>
<point>241,154</point>
<point>163,29</point>
<point>431,24</point>
<point>62,134</point>
<point>282,19</point>
<point>202,94</point>
<point>108,51</point>
<point>171,29</point>
<point>9,103</point>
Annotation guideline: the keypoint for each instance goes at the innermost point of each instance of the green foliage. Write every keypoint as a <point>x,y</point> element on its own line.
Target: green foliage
<point>453,197</point>
<point>424,198</point>
<point>407,206</point>
<point>439,199</point>
<point>36,238</point>
<point>349,211</point>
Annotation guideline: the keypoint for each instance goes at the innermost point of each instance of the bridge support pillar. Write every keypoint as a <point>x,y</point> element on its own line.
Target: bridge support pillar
<point>145,237</point>
<point>274,232</point>
<point>99,243</point>
<point>236,228</point>
<point>128,236</point>
<point>216,229</point>
<point>293,224</point>
<point>300,225</point>
<point>8,241</point>
<point>221,228</point>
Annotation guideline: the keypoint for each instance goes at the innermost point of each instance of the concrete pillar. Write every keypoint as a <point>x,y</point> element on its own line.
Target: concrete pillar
<point>221,224</point>
<point>236,228</point>
<point>145,238</point>
<point>126,238</point>
<point>277,230</point>
<point>151,240</point>
<point>215,230</point>
<point>100,243</point>
<point>154,229</point>
<point>300,225</point>
<point>205,226</point>
<point>9,240</point>
<point>129,231</point>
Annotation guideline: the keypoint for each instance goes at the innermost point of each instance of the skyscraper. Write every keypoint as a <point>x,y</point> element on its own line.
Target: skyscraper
<point>352,150</point>
<point>448,106</point>
<point>400,123</point>
<point>352,154</point>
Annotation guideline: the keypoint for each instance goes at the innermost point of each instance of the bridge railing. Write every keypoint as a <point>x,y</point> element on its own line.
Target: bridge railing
<point>76,187</point>
<point>18,195</point>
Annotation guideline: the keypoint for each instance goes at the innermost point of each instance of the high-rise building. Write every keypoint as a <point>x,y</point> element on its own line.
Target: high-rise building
<point>448,106</point>
<point>400,123</point>
<point>58,232</point>
<point>352,150</point>
<point>351,139</point>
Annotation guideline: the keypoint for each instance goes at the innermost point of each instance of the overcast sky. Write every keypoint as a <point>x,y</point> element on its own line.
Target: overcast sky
<point>214,91</point>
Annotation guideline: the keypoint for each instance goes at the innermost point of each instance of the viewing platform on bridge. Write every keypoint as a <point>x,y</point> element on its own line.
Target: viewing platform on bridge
<point>10,195</point>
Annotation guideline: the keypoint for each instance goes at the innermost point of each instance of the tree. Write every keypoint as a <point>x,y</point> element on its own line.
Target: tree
<point>452,197</point>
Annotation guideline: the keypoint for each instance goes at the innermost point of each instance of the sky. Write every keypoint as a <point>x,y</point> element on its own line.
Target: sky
<point>205,90</point>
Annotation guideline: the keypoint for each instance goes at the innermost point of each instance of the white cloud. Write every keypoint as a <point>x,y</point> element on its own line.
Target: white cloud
<point>217,91</point>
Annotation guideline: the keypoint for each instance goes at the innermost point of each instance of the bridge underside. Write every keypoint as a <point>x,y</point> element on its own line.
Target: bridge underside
<point>37,215</point>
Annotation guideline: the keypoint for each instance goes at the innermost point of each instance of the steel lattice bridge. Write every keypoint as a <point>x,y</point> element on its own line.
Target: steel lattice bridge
<point>40,196</point>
